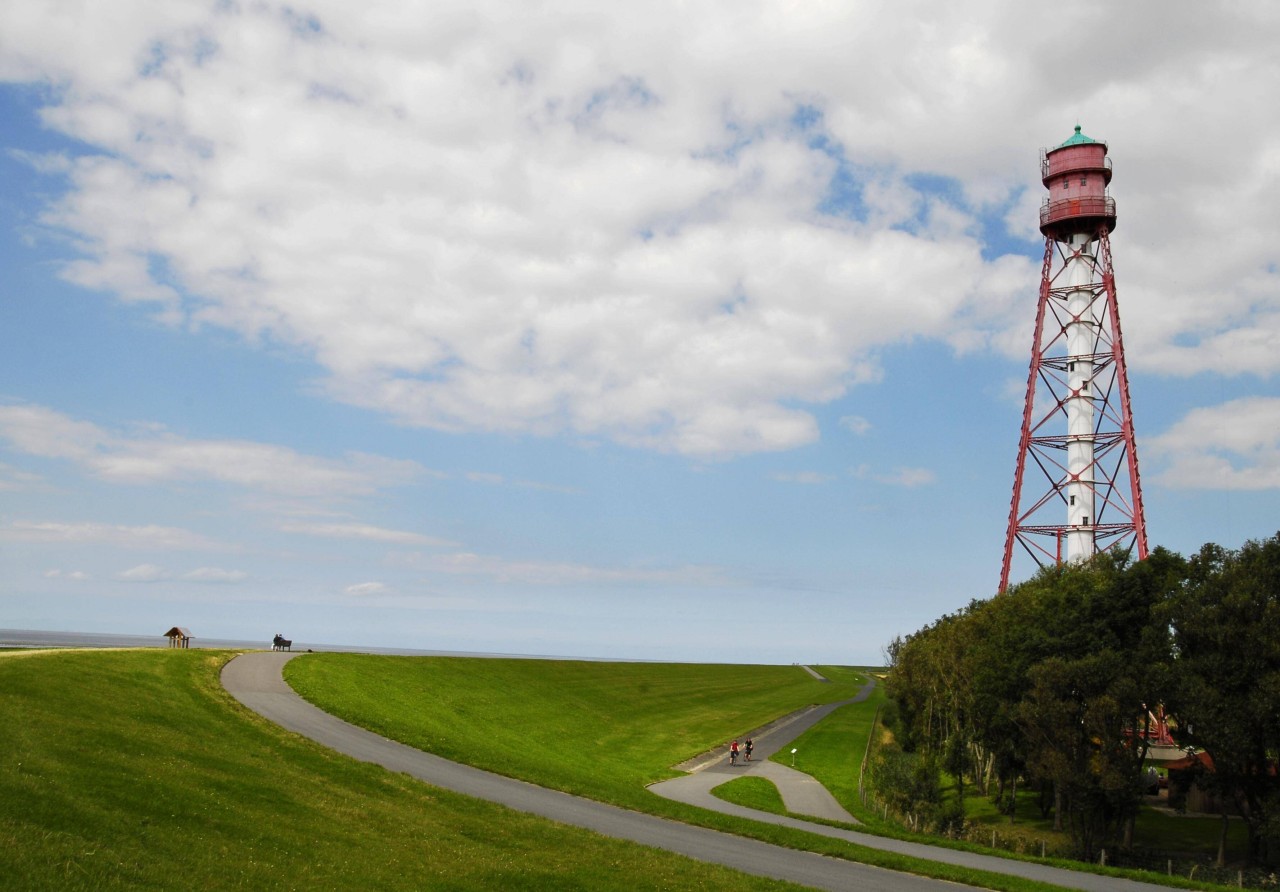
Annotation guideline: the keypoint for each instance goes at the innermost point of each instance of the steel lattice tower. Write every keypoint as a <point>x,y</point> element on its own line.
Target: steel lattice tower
<point>1076,489</point>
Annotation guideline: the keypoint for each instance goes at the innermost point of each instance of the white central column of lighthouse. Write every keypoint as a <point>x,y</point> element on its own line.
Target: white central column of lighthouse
<point>1081,340</point>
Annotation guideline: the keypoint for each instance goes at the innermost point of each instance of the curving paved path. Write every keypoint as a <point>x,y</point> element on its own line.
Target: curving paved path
<point>255,680</point>
<point>801,793</point>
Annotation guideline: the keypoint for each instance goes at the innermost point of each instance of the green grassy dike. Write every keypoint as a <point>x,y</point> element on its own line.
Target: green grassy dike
<point>601,730</point>
<point>135,770</point>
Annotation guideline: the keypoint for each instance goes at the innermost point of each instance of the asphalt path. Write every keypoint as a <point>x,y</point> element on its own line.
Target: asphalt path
<point>255,680</point>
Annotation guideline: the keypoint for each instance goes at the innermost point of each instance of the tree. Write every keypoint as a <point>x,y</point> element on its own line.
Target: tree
<point>1226,696</point>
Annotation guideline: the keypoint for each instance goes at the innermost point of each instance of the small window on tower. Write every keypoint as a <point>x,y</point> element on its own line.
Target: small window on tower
<point>1073,500</point>
<point>1071,367</point>
<point>1066,184</point>
<point>1084,181</point>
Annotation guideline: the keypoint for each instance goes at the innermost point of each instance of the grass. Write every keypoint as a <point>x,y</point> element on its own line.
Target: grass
<point>832,752</point>
<point>752,792</point>
<point>1189,834</point>
<point>603,730</point>
<point>135,770</point>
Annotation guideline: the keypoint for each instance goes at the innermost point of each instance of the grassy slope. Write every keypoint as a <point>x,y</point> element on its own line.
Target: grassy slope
<point>832,750</point>
<point>603,730</point>
<point>599,729</point>
<point>134,769</point>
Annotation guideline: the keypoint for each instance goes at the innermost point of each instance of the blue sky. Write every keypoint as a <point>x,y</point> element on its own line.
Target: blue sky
<point>638,334</point>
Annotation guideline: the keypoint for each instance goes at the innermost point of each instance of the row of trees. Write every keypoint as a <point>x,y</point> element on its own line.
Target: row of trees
<point>1052,683</point>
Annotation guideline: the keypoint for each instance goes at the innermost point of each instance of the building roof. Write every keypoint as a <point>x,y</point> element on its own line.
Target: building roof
<point>178,632</point>
<point>1077,139</point>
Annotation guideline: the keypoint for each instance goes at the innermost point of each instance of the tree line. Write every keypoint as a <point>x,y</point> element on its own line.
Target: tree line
<point>1051,685</point>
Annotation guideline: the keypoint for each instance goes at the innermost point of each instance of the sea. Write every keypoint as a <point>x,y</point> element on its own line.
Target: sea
<point>36,639</point>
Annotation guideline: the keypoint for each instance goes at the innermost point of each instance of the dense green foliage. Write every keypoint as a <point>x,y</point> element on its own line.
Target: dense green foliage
<point>1053,682</point>
<point>134,769</point>
<point>1226,638</point>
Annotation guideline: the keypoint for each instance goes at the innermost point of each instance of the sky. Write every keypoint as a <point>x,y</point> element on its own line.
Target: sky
<point>648,331</point>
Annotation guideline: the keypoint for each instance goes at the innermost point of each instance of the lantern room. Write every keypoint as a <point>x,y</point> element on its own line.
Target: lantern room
<point>1076,174</point>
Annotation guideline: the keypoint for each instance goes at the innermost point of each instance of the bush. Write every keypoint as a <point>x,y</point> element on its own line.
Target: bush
<point>909,782</point>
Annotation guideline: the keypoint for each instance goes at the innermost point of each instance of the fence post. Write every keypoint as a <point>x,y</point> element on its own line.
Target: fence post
<point>866,753</point>
<point>1103,859</point>
<point>1170,867</point>
<point>993,839</point>
<point>1042,848</point>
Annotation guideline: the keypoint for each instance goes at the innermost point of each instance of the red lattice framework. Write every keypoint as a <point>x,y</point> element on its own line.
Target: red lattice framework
<point>1042,476</point>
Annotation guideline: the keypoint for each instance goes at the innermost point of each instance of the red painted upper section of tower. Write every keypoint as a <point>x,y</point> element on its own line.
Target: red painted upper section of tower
<point>1076,174</point>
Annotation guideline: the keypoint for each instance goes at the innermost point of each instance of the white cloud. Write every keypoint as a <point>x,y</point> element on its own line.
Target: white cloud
<point>365,532</point>
<point>856,424</point>
<point>215,575</point>
<point>808,478</point>
<point>1235,446</point>
<point>610,223</point>
<point>143,573</point>
<point>900,476</point>
<point>366,589</point>
<point>149,536</point>
<point>73,575</point>
<point>153,455</point>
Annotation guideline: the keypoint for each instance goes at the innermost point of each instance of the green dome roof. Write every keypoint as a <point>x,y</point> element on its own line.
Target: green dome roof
<point>1077,139</point>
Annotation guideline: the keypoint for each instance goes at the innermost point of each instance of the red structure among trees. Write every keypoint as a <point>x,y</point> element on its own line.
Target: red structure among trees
<point>1076,489</point>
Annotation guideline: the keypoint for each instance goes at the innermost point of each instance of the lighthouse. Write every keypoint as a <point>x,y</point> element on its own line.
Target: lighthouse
<point>1076,488</point>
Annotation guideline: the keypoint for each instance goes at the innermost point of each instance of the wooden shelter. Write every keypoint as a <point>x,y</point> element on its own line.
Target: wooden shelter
<point>179,637</point>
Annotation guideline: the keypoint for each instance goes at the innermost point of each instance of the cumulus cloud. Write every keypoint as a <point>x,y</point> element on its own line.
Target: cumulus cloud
<point>855,424</point>
<point>73,575</point>
<point>900,476</point>
<point>621,224</point>
<point>152,455</point>
<point>808,478</point>
<point>215,575</point>
<point>1235,446</point>
<point>143,573</point>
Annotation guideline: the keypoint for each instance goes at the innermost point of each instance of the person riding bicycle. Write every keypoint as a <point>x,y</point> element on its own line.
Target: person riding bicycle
<point>733,753</point>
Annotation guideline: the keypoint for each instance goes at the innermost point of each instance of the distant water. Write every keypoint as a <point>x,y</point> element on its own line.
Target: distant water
<point>37,639</point>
